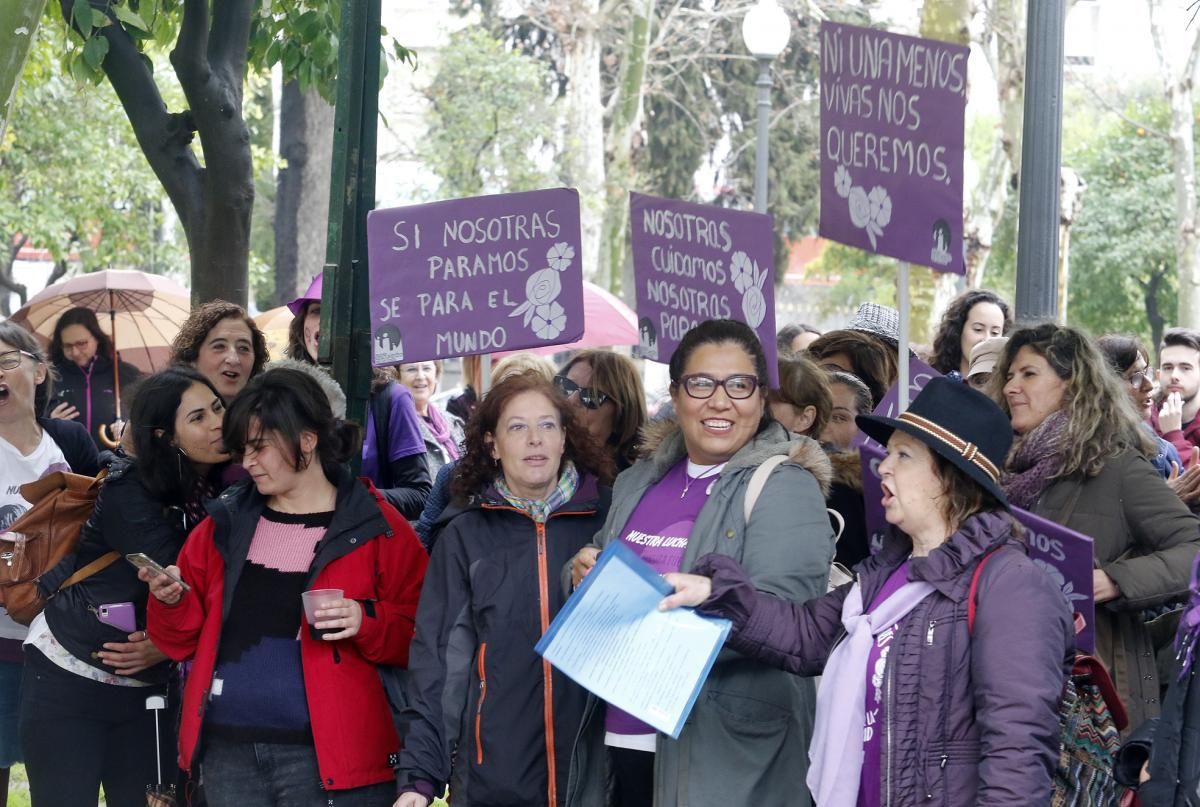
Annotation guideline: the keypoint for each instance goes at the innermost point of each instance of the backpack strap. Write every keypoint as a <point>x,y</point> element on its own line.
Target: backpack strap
<point>95,567</point>
<point>758,481</point>
<point>971,594</point>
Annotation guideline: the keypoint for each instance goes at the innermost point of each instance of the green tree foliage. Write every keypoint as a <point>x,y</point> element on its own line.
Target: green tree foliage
<point>492,124</point>
<point>73,181</point>
<point>1123,277</point>
<point>212,48</point>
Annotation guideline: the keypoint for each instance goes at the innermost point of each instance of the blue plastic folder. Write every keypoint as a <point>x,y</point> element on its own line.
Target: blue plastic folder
<point>612,640</point>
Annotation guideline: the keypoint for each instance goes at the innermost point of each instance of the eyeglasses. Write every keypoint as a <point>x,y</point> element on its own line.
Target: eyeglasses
<point>737,387</point>
<point>1142,377</point>
<point>590,397</point>
<point>11,359</point>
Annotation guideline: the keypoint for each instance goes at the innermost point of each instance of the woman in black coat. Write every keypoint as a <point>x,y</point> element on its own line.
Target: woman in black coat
<point>89,663</point>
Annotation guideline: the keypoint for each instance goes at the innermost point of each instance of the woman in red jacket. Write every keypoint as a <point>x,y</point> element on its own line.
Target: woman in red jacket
<point>277,710</point>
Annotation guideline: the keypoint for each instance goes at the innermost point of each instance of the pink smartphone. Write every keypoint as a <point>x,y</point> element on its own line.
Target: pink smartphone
<point>118,614</point>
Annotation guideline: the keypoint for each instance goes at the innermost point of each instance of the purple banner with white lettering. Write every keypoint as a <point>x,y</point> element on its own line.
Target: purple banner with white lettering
<point>1067,556</point>
<point>919,374</point>
<point>697,262</point>
<point>892,120</point>
<point>479,275</point>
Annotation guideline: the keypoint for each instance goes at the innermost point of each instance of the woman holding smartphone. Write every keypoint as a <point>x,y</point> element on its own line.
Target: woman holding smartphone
<point>89,663</point>
<point>282,707</point>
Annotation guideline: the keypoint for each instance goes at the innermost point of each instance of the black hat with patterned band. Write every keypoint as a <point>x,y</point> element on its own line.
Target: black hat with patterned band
<point>963,425</point>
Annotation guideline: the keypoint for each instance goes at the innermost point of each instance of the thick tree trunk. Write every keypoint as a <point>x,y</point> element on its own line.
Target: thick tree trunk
<point>583,126</point>
<point>624,135</point>
<point>214,201</point>
<point>302,195</point>
<point>8,283</point>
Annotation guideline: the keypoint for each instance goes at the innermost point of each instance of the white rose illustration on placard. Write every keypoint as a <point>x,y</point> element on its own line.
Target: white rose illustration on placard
<point>749,278</point>
<point>541,311</point>
<point>868,211</point>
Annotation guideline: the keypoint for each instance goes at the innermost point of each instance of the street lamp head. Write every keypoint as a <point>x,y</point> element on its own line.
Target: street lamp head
<point>766,29</point>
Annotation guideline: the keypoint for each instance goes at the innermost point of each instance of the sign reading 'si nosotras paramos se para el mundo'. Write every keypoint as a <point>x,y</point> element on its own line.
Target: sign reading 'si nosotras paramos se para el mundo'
<point>472,276</point>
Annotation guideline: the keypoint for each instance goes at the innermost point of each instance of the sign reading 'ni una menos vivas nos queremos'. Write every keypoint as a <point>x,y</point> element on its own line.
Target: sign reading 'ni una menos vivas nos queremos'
<point>472,276</point>
<point>892,120</point>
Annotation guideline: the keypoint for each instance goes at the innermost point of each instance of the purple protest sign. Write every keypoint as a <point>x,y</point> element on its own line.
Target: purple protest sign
<point>697,262</point>
<point>476,275</point>
<point>892,112</point>
<point>1069,558</point>
<point>919,374</point>
<point>870,454</point>
<point>1065,555</point>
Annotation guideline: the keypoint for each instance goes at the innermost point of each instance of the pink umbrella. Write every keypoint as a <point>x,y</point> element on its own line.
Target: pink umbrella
<point>607,322</point>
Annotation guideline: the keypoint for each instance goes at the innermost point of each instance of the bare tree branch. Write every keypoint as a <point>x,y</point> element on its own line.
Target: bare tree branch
<point>188,57</point>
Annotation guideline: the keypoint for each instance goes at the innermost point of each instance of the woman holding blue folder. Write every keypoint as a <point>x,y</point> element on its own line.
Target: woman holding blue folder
<point>746,740</point>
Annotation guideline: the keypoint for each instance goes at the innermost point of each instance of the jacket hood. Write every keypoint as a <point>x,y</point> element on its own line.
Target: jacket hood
<point>847,469</point>
<point>589,495</point>
<point>662,442</point>
<point>337,398</point>
<point>948,568</point>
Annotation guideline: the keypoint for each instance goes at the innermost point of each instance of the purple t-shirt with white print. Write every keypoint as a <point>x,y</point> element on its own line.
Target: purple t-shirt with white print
<point>868,783</point>
<point>658,531</point>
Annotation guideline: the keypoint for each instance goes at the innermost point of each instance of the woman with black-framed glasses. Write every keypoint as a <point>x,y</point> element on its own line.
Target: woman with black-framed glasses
<point>1128,358</point>
<point>746,741</point>
<point>611,401</point>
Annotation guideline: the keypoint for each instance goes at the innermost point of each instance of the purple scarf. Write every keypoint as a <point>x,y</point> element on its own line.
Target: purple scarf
<point>1035,461</point>
<point>440,429</point>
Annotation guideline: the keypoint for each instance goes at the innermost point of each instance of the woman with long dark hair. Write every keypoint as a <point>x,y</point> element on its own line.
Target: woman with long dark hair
<point>971,317</point>
<point>87,383</point>
<point>89,662</point>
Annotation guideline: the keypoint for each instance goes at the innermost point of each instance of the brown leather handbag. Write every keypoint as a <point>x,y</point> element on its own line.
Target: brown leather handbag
<point>43,536</point>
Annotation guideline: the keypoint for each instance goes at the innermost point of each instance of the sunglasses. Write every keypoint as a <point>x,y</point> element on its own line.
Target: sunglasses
<point>738,387</point>
<point>590,397</point>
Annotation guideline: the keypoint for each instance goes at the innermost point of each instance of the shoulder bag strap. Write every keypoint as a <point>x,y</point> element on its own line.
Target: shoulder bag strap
<point>758,481</point>
<point>95,567</point>
<point>971,604</point>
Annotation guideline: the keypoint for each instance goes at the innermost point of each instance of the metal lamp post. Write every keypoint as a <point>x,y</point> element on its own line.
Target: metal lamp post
<point>766,30</point>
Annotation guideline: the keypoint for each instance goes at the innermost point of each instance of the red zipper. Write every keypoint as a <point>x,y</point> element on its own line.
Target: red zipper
<point>479,706</point>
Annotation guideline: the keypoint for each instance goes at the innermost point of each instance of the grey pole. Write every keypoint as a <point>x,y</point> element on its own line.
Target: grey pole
<point>1041,161</point>
<point>764,125</point>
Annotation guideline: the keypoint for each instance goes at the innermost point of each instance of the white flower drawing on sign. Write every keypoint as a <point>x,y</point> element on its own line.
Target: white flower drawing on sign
<point>549,321</point>
<point>748,278</point>
<point>868,211</point>
<point>1068,588</point>
<point>541,310</point>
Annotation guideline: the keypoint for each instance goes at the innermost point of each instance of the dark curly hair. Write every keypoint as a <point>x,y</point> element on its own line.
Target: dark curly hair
<point>947,343</point>
<point>477,469</point>
<point>79,316</point>
<point>185,349</point>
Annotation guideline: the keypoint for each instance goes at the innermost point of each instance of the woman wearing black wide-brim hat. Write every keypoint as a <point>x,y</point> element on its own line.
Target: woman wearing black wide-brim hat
<point>914,706</point>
